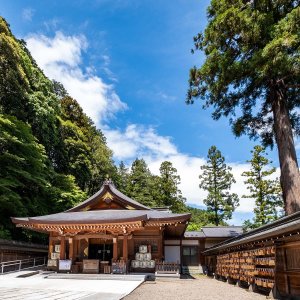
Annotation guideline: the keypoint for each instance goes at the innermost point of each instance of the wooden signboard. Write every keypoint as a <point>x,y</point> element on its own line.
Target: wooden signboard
<point>90,266</point>
<point>54,255</point>
<point>52,263</point>
<point>65,265</point>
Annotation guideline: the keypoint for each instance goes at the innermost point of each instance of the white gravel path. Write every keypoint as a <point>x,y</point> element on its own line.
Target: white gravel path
<point>191,289</point>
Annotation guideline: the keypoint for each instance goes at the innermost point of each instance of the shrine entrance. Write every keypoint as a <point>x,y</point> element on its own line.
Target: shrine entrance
<point>103,252</point>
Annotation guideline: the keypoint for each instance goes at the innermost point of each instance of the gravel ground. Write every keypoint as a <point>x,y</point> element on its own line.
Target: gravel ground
<point>191,289</point>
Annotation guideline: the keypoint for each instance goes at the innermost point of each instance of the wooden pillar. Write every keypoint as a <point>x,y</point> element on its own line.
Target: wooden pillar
<point>50,249</point>
<point>115,248</point>
<point>125,247</point>
<point>85,248</point>
<point>181,252</point>
<point>62,253</point>
<point>71,249</point>
<point>75,246</point>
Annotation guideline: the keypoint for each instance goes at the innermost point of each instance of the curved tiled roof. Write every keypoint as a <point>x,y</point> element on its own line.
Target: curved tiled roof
<point>104,216</point>
<point>108,186</point>
<point>86,213</point>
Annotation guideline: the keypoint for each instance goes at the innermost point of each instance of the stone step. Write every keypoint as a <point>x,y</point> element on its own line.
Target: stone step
<point>167,275</point>
<point>190,270</point>
<point>125,277</point>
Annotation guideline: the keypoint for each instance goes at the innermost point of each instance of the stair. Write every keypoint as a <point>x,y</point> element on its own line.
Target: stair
<point>125,277</point>
<point>190,270</point>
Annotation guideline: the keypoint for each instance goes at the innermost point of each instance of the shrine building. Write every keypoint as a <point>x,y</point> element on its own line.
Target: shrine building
<point>108,227</point>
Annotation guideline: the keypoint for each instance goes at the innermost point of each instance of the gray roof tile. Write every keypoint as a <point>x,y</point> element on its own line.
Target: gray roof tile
<point>222,231</point>
<point>104,216</point>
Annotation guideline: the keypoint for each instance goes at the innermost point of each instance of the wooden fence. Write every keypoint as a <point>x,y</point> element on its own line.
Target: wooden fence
<point>167,268</point>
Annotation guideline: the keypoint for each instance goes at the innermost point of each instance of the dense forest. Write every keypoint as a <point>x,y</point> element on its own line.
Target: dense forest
<point>52,156</point>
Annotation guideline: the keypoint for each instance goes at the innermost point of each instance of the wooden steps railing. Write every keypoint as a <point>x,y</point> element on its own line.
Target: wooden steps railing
<point>167,268</point>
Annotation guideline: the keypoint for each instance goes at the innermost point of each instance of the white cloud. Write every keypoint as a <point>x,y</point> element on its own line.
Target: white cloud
<point>138,141</point>
<point>27,14</point>
<point>60,58</point>
<point>51,24</point>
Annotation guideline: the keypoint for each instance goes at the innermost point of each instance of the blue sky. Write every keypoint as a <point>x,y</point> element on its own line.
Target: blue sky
<point>127,63</point>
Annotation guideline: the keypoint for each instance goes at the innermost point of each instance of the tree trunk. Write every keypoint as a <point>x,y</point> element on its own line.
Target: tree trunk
<point>216,216</point>
<point>290,176</point>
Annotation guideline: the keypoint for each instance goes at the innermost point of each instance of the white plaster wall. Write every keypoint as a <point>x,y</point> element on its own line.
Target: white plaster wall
<point>172,254</point>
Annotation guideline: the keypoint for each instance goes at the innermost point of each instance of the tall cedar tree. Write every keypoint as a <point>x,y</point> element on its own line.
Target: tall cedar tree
<point>141,183</point>
<point>122,178</point>
<point>169,193</point>
<point>266,192</point>
<point>217,179</point>
<point>163,192</point>
<point>252,74</point>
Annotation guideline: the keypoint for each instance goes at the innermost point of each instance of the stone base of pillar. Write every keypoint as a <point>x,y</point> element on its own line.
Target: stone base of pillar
<point>230,280</point>
<point>253,287</point>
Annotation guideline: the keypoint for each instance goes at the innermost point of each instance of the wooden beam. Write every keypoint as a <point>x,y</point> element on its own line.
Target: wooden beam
<point>93,236</point>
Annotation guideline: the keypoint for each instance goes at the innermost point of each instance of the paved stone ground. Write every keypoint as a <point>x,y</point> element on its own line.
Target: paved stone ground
<point>203,288</point>
<point>37,287</point>
<point>34,293</point>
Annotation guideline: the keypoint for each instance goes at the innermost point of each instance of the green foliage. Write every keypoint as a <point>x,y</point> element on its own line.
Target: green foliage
<point>84,150</point>
<point>28,185</point>
<point>149,189</point>
<point>158,191</point>
<point>140,183</point>
<point>59,90</point>
<point>25,92</point>
<point>266,192</point>
<point>122,179</point>
<point>251,74</point>
<point>169,193</point>
<point>50,150</point>
<point>199,219</point>
<point>23,170</point>
<point>217,179</point>
<point>252,53</point>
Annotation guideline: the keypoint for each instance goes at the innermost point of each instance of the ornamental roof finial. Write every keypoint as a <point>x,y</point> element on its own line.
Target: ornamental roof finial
<point>107,180</point>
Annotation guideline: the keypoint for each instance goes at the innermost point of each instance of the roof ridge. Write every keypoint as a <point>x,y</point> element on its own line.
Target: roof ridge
<point>109,185</point>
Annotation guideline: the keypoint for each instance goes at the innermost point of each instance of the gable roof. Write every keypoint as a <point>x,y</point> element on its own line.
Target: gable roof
<point>279,227</point>
<point>215,232</point>
<point>104,216</point>
<point>222,231</point>
<point>194,234</point>
<point>109,187</point>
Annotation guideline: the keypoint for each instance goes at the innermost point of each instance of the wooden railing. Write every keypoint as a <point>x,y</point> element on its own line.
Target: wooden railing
<point>167,267</point>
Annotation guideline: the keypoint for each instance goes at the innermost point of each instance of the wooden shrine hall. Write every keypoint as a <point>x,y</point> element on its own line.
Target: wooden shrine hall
<point>109,232</point>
